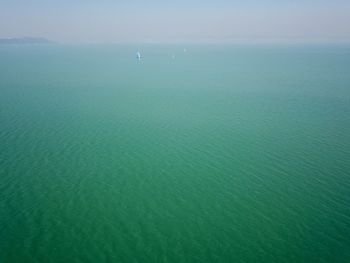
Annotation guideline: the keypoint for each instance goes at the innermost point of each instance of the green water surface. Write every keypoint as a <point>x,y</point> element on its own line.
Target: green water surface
<point>221,154</point>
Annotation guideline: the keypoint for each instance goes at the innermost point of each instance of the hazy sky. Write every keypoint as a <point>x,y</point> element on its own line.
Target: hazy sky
<point>177,20</point>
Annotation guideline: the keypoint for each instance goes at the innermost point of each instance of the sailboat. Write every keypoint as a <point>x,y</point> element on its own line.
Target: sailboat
<point>138,55</point>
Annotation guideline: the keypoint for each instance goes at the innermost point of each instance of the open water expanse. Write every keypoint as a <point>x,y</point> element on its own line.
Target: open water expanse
<point>216,153</point>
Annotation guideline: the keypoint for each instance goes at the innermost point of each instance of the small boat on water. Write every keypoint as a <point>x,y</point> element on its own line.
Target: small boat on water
<point>138,55</point>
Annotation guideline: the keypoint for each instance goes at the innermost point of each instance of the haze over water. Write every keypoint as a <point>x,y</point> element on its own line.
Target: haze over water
<point>222,154</point>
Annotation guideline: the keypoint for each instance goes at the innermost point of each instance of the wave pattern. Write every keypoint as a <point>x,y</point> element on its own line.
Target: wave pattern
<point>197,159</point>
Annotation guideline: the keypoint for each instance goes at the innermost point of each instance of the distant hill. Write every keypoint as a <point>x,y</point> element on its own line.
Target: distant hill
<point>25,40</point>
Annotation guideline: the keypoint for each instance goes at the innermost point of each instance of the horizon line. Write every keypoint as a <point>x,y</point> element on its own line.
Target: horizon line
<point>189,41</point>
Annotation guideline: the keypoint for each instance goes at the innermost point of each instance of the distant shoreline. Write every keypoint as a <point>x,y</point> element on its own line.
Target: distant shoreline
<point>25,40</point>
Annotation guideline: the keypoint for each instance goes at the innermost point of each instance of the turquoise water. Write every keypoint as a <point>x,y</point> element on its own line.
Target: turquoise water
<point>222,154</point>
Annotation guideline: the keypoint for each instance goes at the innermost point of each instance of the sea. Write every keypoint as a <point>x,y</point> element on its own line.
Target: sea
<point>193,153</point>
